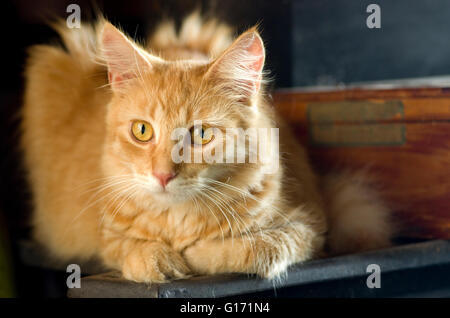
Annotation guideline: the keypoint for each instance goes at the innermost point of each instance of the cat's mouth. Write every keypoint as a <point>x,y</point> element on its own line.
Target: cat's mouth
<point>176,191</point>
<point>172,194</point>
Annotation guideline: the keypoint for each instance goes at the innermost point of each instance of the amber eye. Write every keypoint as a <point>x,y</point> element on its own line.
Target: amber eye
<point>201,135</point>
<point>142,130</point>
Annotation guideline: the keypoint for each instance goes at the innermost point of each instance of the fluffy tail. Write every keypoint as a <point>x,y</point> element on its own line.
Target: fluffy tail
<point>208,37</point>
<point>81,43</point>
<point>358,218</point>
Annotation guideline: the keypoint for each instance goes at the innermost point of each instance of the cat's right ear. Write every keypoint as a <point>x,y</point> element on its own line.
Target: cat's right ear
<point>125,59</point>
<point>240,68</point>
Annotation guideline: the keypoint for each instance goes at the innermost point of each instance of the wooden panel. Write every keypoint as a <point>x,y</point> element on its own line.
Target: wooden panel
<point>414,172</point>
<point>362,135</point>
<point>419,104</point>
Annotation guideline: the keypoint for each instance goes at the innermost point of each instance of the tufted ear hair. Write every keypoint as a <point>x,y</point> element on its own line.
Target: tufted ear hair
<point>124,58</point>
<point>240,67</point>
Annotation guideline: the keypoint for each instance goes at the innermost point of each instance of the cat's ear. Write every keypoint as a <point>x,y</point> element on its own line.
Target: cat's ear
<point>125,59</point>
<point>240,68</point>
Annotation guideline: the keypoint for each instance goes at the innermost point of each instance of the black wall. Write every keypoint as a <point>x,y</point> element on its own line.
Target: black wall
<point>332,44</point>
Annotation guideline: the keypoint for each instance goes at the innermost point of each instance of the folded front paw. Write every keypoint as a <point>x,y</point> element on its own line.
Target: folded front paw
<point>239,256</point>
<point>154,263</point>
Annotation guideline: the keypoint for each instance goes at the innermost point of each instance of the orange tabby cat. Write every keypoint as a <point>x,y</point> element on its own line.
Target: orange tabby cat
<point>97,137</point>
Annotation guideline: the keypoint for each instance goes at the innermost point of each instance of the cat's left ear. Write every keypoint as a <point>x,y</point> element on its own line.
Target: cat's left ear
<point>125,59</point>
<point>240,68</point>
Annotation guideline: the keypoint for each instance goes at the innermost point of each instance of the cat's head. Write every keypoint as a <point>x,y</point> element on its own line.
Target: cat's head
<point>156,103</point>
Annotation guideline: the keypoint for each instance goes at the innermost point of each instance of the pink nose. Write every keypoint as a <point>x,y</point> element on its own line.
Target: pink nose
<point>164,178</point>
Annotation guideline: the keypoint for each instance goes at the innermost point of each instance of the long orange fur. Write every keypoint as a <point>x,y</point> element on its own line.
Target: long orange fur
<point>93,193</point>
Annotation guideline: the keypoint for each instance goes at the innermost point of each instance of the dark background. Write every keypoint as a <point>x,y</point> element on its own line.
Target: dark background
<point>331,43</point>
<point>309,42</point>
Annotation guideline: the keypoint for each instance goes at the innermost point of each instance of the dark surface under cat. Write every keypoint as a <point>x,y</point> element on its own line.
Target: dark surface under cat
<point>409,270</point>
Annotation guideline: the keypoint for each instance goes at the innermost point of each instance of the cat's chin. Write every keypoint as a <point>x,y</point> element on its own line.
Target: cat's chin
<point>169,198</point>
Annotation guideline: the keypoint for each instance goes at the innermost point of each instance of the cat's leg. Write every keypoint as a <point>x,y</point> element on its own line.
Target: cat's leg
<point>266,253</point>
<point>143,260</point>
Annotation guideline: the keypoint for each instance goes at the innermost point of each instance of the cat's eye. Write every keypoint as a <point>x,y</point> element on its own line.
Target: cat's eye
<point>142,130</point>
<point>201,135</point>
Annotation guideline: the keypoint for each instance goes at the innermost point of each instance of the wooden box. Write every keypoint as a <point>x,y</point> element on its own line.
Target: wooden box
<point>401,131</point>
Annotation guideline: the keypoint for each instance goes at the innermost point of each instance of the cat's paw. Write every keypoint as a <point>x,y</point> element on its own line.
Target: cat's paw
<point>258,257</point>
<point>269,261</point>
<point>154,263</point>
<point>272,269</point>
